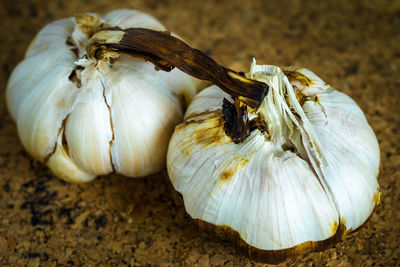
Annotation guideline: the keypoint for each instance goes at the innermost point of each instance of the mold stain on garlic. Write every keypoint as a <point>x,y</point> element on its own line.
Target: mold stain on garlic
<point>227,174</point>
<point>211,134</point>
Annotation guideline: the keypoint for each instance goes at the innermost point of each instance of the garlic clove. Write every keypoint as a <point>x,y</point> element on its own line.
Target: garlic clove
<point>127,18</point>
<point>342,129</point>
<point>144,112</point>
<point>351,152</point>
<point>22,81</point>
<point>63,167</point>
<point>53,36</point>
<point>182,86</point>
<point>88,129</point>
<point>41,114</point>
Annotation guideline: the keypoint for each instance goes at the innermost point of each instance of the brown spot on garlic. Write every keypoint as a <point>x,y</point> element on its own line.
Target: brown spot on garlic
<point>211,134</point>
<point>297,78</point>
<point>227,174</point>
<point>199,117</point>
<point>300,96</point>
<point>75,76</point>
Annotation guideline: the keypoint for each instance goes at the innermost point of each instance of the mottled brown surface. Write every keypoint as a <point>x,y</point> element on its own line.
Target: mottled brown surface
<point>112,221</point>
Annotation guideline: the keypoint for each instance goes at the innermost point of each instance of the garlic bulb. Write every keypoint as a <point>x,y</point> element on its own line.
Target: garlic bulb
<point>303,176</point>
<point>86,117</point>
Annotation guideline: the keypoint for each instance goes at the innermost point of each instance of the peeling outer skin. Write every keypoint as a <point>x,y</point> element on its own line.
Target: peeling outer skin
<point>62,166</point>
<point>104,37</point>
<point>271,256</point>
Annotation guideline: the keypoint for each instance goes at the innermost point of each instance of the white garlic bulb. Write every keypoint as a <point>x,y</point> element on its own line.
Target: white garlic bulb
<point>302,181</point>
<point>85,117</point>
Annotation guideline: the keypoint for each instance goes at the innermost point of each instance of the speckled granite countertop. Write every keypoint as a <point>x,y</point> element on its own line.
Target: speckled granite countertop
<point>116,221</point>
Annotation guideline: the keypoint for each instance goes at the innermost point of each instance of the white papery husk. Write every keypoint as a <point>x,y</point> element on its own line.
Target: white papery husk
<point>311,177</point>
<point>118,116</point>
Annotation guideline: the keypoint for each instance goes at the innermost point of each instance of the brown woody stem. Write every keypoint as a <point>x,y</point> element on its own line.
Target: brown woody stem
<point>167,52</point>
<point>236,120</point>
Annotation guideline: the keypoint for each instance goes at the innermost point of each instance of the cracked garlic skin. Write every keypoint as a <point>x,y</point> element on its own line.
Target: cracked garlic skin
<point>302,183</point>
<point>85,117</point>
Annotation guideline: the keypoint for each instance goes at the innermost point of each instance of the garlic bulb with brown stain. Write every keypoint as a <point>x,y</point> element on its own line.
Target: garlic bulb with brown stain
<point>85,116</point>
<point>292,175</point>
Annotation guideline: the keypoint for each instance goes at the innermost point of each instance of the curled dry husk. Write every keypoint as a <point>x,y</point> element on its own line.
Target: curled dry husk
<point>85,117</point>
<point>301,182</point>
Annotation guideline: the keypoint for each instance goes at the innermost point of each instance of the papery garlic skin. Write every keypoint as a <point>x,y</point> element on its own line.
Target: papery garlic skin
<point>304,183</point>
<point>94,117</point>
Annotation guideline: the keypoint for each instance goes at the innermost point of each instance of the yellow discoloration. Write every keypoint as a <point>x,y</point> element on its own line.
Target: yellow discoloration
<point>334,228</point>
<point>377,197</point>
<point>238,77</point>
<point>96,46</point>
<point>302,97</point>
<point>108,37</point>
<point>295,76</point>
<point>204,130</point>
<point>211,135</point>
<point>200,117</point>
<point>227,174</point>
<point>88,24</point>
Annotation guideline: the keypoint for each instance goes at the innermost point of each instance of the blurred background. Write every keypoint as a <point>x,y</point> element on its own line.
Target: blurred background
<point>114,221</point>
